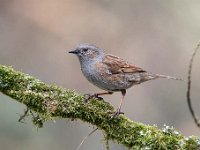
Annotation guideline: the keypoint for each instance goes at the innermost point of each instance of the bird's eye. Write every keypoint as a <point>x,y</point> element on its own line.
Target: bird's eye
<point>85,49</point>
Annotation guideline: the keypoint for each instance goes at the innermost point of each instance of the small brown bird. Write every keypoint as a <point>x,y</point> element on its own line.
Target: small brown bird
<point>111,73</point>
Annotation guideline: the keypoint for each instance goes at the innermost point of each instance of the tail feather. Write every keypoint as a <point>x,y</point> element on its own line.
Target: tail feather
<point>168,77</point>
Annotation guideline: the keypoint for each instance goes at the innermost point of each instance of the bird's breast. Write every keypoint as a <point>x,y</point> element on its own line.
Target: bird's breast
<point>97,73</point>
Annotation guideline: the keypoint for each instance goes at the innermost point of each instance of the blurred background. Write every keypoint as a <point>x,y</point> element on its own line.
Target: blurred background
<point>158,36</point>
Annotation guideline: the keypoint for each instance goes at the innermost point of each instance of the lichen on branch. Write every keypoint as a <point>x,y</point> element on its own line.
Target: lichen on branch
<point>51,101</point>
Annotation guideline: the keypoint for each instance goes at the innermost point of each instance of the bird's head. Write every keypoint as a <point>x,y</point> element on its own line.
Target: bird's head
<point>87,52</point>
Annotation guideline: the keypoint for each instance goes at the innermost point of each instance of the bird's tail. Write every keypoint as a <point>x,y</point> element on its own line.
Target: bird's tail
<point>168,77</point>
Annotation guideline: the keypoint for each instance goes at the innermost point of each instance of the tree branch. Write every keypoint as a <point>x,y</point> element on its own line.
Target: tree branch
<point>194,116</point>
<point>50,101</point>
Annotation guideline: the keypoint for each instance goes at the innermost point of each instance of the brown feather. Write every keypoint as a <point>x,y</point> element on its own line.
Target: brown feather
<point>117,65</point>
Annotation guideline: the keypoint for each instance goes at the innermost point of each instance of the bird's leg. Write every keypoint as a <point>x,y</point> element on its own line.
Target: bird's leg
<point>118,111</point>
<point>96,95</point>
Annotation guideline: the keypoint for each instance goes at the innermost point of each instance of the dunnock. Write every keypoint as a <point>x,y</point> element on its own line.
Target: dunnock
<point>109,72</point>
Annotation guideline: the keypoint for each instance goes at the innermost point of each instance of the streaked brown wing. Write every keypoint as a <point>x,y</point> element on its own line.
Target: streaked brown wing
<point>118,65</point>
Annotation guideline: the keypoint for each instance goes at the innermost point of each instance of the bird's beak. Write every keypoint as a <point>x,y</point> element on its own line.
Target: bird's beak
<point>73,52</point>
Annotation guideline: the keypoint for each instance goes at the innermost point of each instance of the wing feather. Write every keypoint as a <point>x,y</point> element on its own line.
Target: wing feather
<point>118,65</point>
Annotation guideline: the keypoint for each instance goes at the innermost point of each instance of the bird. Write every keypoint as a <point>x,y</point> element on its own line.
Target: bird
<point>111,73</point>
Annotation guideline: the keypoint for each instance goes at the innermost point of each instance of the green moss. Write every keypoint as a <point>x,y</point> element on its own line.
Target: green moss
<point>50,101</point>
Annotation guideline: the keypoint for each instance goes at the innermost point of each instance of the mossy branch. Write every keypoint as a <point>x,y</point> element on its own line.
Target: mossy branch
<point>50,101</point>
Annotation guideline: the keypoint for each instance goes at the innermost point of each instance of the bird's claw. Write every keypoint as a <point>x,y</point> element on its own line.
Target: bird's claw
<point>90,96</point>
<point>117,113</point>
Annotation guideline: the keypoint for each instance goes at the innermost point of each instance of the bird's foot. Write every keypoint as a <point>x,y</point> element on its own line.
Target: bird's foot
<point>117,113</point>
<point>91,96</point>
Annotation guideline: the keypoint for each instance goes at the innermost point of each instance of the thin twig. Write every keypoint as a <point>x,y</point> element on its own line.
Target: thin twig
<point>195,117</point>
<point>22,117</point>
<point>86,138</point>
